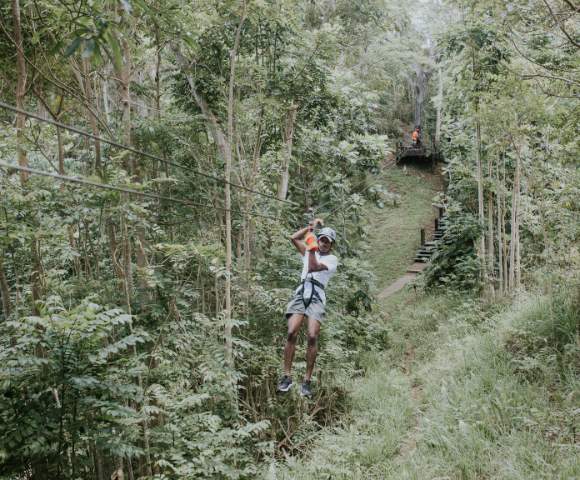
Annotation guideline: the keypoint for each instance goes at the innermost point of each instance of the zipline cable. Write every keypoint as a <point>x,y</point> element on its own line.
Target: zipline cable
<point>6,106</point>
<point>106,186</point>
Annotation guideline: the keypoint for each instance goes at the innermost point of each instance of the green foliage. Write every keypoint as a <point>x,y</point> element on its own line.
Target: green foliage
<point>543,339</point>
<point>489,401</point>
<point>455,263</point>
<point>196,430</point>
<point>499,111</point>
<point>69,382</point>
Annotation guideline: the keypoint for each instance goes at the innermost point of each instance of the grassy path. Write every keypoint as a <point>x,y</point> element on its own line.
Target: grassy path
<point>394,231</point>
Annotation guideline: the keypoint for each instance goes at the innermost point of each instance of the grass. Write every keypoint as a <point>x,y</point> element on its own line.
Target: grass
<point>395,230</point>
<point>353,451</point>
<point>485,416</point>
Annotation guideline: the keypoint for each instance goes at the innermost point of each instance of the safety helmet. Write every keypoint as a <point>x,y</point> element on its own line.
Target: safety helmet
<point>328,233</point>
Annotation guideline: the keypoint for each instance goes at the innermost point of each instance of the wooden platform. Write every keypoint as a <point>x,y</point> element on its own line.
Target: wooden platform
<point>421,154</point>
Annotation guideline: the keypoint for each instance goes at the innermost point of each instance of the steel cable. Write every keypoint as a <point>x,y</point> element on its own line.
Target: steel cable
<point>106,186</point>
<point>140,152</point>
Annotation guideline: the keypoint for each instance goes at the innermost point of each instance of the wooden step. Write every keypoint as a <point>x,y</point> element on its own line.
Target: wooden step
<point>422,260</point>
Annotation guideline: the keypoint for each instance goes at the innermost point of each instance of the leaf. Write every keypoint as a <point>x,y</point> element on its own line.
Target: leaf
<point>115,53</point>
<point>89,49</point>
<point>72,48</point>
<point>126,6</point>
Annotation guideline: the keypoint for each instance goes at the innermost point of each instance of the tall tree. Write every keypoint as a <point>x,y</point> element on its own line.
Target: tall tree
<point>20,88</point>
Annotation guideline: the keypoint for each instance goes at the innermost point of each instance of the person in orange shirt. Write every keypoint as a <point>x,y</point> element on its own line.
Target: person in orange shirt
<point>416,136</point>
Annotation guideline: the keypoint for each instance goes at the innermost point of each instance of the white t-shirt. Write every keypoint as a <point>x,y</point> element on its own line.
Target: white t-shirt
<point>323,276</point>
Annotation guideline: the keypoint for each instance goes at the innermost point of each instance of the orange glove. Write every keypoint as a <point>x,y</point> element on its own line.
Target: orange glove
<point>311,242</point>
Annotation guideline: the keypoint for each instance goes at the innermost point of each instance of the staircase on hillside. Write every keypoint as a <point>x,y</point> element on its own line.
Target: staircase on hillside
<point>428,248</point>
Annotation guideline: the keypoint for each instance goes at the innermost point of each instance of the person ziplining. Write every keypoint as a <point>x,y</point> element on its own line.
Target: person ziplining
<point>309,299</point>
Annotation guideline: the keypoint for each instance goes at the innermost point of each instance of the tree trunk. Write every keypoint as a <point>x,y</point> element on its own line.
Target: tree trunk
<point>490,229</point>
<point>130,163</point>
<point>481,215</point>
<point>157,72</point>
<point>514,248</point>
<point>130,475</point>
<point>89,94</point>
<point>73,246</point>
<point>4,291</point>
<point>97,461</point>
<point>503,229</point>
<point>499,217</point>
<point>518,269</point>
<point>20,90</point>
<point>228,199</point>
<point>127,265</point>
<point>60,151</point>
<point>255,171</point>
<point>117,268</point>
<point>125,81</point>
<point>106,100</point>
<point>142,261</point>
<point>225,149</point>
<point>439,110</point>
<point>82,72</point>
<point>288,138</point>
<point>36,274</point>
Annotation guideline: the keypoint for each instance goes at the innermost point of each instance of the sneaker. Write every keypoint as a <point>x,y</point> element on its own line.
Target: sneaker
<point>305,389</point>
<point>284,384</point>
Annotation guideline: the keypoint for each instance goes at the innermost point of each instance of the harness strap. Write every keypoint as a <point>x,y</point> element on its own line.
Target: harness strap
<point>314,293</point>
<point>313,281</point>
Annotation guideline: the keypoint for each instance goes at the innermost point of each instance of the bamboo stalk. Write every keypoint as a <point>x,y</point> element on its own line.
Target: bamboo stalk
<point>499,230</point>
<point>514,247</point>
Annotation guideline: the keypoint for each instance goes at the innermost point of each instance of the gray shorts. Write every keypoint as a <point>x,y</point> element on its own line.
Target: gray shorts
<point>296,305</point>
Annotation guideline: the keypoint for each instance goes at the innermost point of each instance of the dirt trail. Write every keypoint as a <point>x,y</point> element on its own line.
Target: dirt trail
<point>409,444</point>
<point>398,284</point>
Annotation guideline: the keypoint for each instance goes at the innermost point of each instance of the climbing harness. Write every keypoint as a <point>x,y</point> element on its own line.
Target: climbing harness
<point>308,290</point>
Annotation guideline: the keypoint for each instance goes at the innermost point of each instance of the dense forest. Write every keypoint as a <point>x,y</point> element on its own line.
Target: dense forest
<point>156,156</point>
